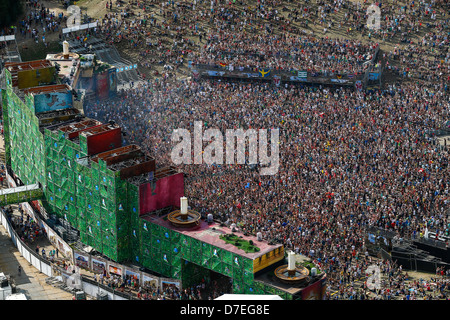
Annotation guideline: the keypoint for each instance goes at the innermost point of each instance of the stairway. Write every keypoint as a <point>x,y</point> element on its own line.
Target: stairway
<point>109,54</point>
<point>412,258</point>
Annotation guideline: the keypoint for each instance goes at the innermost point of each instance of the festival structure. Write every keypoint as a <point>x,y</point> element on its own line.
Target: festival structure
<point>122,204</point>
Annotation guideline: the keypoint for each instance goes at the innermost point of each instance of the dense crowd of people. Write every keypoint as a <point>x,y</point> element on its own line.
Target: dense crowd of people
<point>305,118</point>
<point>27,229</point>
<point>394,284</point>
<point>286,52</point>
<point>346,164</point>
<point>259,34</point>
<point>349,159</point>
<point>39,22</point>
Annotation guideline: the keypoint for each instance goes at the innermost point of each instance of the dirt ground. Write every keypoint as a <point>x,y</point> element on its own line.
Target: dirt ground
<point>96,9</point>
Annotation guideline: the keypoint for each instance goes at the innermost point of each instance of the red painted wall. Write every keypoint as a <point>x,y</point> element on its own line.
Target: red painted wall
<point>315,291</point>
<point>102,85</point>
<point>168,191</point>
<point>101,142</point>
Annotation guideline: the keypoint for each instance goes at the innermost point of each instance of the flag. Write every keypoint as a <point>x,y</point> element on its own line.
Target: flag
<point>264,72</point>
<point>223,64</point>
<point>302,74</point>
<point>277,80</point>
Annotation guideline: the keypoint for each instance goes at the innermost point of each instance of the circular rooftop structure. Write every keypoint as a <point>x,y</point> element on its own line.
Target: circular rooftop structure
<point>62,56</point>
<point>296,275</point>
<point>187,220</point>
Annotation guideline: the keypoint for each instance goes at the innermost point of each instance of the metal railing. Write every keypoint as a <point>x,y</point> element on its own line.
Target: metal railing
<point>281,72</point>
<point>431,242</point>
<point>31,256</point>
<point>52,269</point>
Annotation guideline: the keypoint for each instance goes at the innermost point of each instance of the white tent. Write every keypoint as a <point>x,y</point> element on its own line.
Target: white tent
<point>16,296</point>
<point>248,297</point>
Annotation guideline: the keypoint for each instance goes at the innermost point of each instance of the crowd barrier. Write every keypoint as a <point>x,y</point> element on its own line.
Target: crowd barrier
<point>278,76</point>
<point>37,261</point>
<point>359,80</point>
<point>89,286</point>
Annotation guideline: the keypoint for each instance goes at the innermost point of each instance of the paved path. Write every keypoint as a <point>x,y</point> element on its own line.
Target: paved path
<point>31,282</point>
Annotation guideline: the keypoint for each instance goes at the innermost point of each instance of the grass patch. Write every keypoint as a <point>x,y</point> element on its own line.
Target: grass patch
<point>240,243</point>
<point>309,265</point>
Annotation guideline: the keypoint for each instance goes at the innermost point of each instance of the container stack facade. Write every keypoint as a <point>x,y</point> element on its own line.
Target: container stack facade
<point>88,195</point>
<point>92,198</point>
<point>24,145</point>
<point>179,256</point>
<point>167,250</point>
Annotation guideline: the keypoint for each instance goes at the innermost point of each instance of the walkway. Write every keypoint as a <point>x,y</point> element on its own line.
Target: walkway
<point>31,282</point>
<point>24,193</point>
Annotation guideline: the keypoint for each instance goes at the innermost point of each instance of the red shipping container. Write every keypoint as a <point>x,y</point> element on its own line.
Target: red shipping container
<point>165,192</point>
